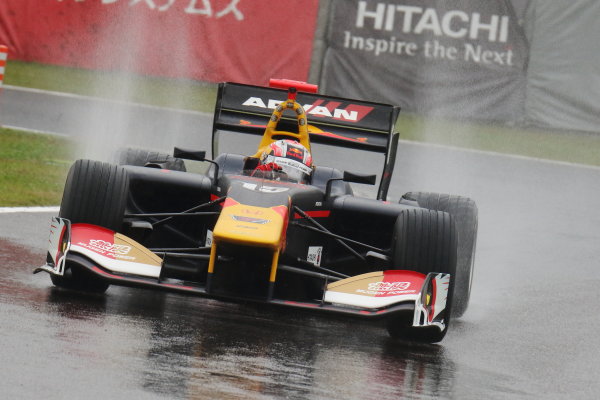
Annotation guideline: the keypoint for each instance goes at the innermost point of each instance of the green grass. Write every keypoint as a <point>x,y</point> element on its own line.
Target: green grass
<point>573,147</point>
<point>174,93</point>
<point>33,168</point>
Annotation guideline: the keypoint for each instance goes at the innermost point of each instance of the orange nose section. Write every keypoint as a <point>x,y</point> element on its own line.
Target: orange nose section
<point>252,226</point>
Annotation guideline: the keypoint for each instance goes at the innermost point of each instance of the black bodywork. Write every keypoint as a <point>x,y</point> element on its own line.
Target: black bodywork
<point>230,231</point>
<point>173,212</point>
<point>170,212</point>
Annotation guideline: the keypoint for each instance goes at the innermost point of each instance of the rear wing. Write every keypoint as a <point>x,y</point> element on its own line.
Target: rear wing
<point>332,120</point>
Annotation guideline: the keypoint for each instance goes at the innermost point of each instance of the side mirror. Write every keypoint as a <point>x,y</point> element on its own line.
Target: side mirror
<point>359,178</point>
<point>187,154</point>
<point>196,155</point>
<point>350,177</point>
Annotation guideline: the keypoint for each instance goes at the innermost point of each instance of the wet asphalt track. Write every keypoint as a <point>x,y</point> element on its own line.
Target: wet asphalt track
<point>531,330</point>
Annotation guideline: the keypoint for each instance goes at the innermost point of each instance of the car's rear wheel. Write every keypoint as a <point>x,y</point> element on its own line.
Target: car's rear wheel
<point>95,193</point>
<point>146,158</point>
<point>464,211</point>
<point>424,241</point>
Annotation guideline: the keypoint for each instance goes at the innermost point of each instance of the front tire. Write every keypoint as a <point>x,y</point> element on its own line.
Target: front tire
<point>95,193</point>
<point>424,241</point>
<point>465,213</point>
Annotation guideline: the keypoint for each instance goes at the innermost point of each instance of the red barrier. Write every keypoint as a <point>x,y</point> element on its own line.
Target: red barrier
<point>210,40</point>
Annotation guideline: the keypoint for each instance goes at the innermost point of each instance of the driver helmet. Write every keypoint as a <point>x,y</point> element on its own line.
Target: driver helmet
<point>290,157</point>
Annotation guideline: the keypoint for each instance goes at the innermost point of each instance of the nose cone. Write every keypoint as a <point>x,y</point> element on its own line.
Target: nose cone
<point>252,226</point>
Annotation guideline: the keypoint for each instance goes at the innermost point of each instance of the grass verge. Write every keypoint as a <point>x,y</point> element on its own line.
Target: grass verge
<point>572,147</point>
<point>33,168</point>
<point>162,92</point>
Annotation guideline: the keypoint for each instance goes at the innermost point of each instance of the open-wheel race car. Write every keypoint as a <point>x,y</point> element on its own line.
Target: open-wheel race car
<point>272,227</point>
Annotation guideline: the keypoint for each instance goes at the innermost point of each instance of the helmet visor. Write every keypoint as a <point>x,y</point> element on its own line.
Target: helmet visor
<point>295,170</point>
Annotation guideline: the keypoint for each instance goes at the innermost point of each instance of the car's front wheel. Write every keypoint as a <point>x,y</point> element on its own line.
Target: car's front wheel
<point>424,241</point>
<point>95,193</point>
<point>465,214</point>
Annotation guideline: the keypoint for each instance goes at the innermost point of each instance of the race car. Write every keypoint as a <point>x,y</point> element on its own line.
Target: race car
<point>247,230</point>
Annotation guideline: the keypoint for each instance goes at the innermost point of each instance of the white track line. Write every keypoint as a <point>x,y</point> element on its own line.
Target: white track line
<point>104,99</point>
<point>35,131</point>
<point>8,210</point>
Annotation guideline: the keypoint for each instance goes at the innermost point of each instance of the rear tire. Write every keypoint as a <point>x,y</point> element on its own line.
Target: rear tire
<point>464,211</point>
<point>95,193</point>
<point>146,158</point>
<point>424,241</point>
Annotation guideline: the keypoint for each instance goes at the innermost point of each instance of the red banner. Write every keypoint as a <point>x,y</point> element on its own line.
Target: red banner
<point>245,41</point>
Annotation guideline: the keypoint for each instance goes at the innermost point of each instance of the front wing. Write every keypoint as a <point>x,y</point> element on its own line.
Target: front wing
<point>122,261</point>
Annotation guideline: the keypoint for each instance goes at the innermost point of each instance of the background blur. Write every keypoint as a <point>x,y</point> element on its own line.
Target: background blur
<point>499,104</point>
<point>517,62</point>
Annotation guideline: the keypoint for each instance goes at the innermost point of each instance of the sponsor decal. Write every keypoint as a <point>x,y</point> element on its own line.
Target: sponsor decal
<point>388,286</point>
<point>433,32</point>
<point>244,227</point>
<point>114,251</point>
<point>351,113</point>
<point>206,8</point>
<point>265,189</point>
<point>272,189</point>
<point>384,294</point>
<point>252,211</point>
<point>314,255</point>
<point>376,289</point>
<point>383,289</point>
<point>252,220</point>
<point>295,153</point>
<point>289,163</point>
<point>209,238</point>
<point>408,19</point>
<point>108,249</point>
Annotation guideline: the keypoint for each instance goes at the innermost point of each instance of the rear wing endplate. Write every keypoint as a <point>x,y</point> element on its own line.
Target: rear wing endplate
<point>332,120</point>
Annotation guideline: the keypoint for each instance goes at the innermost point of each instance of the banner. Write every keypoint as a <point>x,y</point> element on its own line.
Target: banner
<point>210,40</point>
<point>461,58</point>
